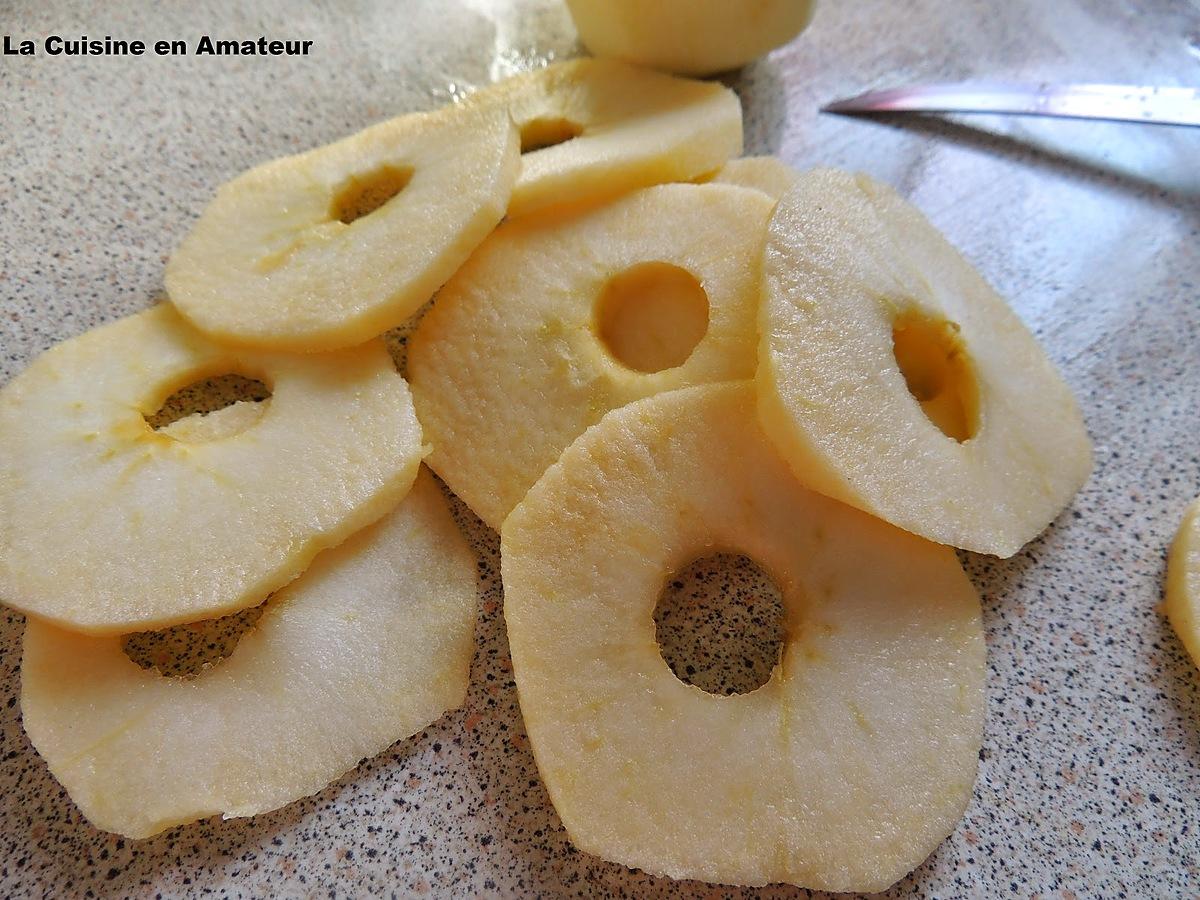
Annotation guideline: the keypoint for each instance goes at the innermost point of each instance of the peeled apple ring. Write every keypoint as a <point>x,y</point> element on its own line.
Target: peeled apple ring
<point>842,772</point>
<point>893,378</point>
<point>558,319</point>
<point>109,526</point>
<point>330,248</point>
<point>370,645</point>
<point>593,129</point>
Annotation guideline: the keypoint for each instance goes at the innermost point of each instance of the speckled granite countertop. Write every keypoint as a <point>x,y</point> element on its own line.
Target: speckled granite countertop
<point>1090,776</point>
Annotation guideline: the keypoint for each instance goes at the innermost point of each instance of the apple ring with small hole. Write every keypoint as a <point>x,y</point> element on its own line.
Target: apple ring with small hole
<point>558,319</point>
<point>843,771</point>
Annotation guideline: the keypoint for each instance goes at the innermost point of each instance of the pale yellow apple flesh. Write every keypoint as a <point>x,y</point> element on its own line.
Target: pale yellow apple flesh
<point>1183,582</point>
<point>893,378</point>
<point>556,320</point>
<point>369,646</point>
<point>691,37</point>
<point>768,174</point>
<point>332,247</point>
<point>594,129</point>
<point>842,772</point>
<point>111,526</point>
<point>216,425</point>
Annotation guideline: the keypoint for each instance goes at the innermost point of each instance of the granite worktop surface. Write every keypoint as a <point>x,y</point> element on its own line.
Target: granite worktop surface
<point>1089,779</point>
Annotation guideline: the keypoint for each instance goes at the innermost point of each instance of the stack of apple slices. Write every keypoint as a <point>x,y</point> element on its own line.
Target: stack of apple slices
<point>117,520</point>
<point>641,350</point>
<point>624,388</point>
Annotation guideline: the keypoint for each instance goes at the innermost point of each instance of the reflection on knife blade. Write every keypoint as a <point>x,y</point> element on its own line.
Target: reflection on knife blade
<point>1111,102</point>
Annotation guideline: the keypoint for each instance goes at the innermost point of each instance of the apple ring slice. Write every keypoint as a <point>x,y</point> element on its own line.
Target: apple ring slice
<point>557,319</point>
<point>110,526</point>
<point>843,771</point>
<point>333,247</point>
<point>594,129</point>
<point>1183,582</point>
<point>370,645</point>
<point>893,377</point>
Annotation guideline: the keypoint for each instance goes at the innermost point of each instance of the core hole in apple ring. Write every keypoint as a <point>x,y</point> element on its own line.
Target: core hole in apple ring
<point>211,408</point>
<point>540,133</point>
<point>186,650</point>
<point>650,317</point>
<point>363,194</point>
<point>937,369</point>
<point>719,624</point>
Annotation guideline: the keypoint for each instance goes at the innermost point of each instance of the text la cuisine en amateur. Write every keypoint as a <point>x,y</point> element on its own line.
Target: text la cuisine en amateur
<point>56,45</point>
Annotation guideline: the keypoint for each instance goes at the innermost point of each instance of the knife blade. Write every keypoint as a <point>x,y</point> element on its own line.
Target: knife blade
<point>1107,102</point>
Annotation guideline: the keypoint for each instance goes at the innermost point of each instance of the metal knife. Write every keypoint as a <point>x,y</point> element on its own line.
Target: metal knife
<point>1109,102</point>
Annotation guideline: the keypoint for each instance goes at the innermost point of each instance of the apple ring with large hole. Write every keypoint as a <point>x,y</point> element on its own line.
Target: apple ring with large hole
<point>110,526</point>
<point>843,771</point>
<point>895,379</point>
<point>558,319</point>
<point>332,247</point>
<point>1183,582</point>
<point>594,129</point>
<point>370,645</point>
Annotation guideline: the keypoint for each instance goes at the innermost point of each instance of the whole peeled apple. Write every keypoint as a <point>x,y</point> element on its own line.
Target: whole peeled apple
<point>690,37</point>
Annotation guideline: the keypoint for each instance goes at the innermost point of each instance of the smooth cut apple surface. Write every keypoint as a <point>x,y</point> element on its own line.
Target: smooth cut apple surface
<point>895,379</point>
<point>1183,582</point>
<point>842,772</point>
<point>558,319</point>
<point>370,645</point>
<point>111,526</point>
<point>594,129</point>
<point>768,174</point>
<point>689,37</point>
<point>332,247</point>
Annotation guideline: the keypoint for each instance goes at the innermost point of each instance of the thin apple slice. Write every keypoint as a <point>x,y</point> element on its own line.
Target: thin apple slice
<point>844,770</point>
<point>691,37</point>
<point>110,526</point>
<point>768,174</point>
<point>559,318</point>
<point>594,129</point>
<point>1183,582</point>
<point>332,247</point>
<point>370,645</point>
<point>213,426</point>
<point>895,379</point>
